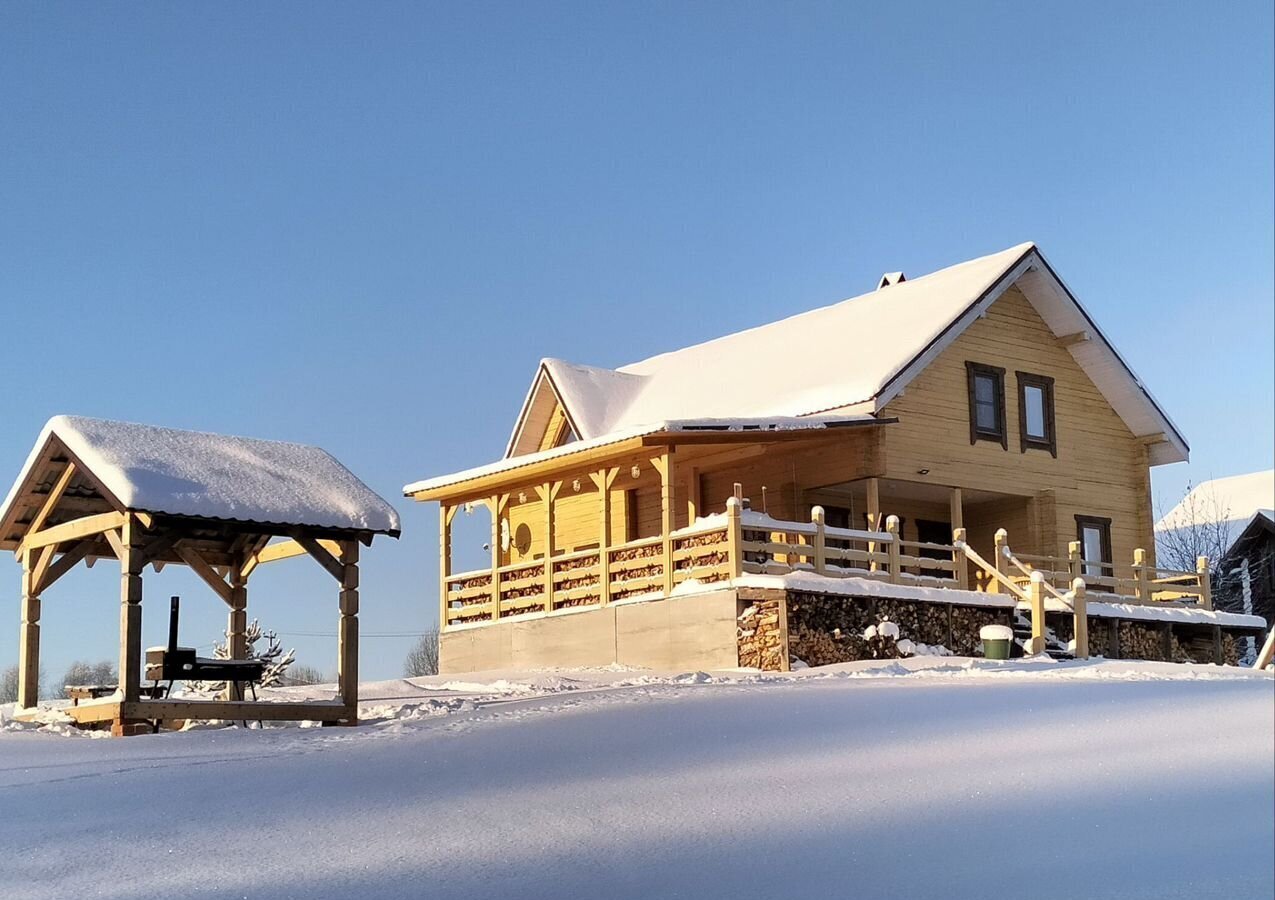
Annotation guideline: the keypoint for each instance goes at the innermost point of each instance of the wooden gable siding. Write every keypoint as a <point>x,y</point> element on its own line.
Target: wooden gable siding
<point>1101,468</point>
<point>554,430</point>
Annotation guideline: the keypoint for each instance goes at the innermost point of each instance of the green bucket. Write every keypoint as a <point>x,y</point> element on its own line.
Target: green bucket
<point>996,641</point>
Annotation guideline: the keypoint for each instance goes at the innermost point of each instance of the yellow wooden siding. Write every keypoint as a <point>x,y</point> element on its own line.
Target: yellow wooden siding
<point>1101,467</point>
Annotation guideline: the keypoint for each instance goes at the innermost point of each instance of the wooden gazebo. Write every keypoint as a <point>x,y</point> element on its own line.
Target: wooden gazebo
<point>143,495</point>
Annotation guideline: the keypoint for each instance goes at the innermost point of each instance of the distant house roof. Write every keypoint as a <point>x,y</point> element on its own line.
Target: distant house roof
<point>1237,499</point>
<point>146,468</point>
<point>853,356</point>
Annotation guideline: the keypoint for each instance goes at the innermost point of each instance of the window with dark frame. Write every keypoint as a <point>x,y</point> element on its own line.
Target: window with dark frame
<point>987,404</point>
<point>1094,534</point>
<point>1036,423</point>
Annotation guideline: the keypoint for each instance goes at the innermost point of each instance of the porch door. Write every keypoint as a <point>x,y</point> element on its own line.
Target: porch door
<point>1094,535</point>
<point>930,531</point>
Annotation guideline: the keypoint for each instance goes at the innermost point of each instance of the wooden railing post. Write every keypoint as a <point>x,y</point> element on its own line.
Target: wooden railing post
<point>959,562</point>
<point>603,479</point>
<point>821,559</point>
<point>1074,563</point>
<point>998,559</point>
<point>1140,576</point>
<point>1206,584</point>
<point>892,552</point>
<point>734,537</point>
<point>1080,613</point>
<point>1036,596</point>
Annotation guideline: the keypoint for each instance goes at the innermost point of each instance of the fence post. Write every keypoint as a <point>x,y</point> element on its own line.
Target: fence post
<point>1140,576</point>
<point>892,552</point>
<point>1036,594</point>
<point>817,516</point>
<point>1080,611</point>
<point>1074,561</point>
<point>1206,584</point>
<point>734,537</point>
<point>959,562</point>
<point>998,560</point>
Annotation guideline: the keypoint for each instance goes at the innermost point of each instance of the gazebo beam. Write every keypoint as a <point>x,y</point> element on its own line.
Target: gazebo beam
<point>207,573</point>
<point>73,530</point>
<point>54,497</point>
<point>65,563</point>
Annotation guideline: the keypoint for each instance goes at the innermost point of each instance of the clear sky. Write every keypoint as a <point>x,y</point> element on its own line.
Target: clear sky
<point>362,225</point>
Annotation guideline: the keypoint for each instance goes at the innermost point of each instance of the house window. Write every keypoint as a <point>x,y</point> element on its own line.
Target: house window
<point>1036,412</point>
<point>1094,534</point>
<point>987,404</point>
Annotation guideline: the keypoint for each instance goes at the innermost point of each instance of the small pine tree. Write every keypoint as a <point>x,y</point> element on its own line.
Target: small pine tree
<point>273,655</point>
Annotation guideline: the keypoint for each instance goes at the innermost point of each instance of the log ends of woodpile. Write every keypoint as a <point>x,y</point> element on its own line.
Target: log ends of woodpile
<point>759,636</point>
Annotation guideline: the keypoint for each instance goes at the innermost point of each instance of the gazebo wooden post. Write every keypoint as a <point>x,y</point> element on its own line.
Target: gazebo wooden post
<point>237,624</point>
<point>29,640</point>
<point>348,631</point>
<point>132,561</point>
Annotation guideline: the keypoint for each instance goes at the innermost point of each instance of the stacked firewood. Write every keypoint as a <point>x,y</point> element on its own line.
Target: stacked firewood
<point>1143,641</point>
<point>714,550</point>
<point>966,623</point>
<point>1232,649</point>
<point>758,636</point>
<point>819,613</point>
<point>530,590</point>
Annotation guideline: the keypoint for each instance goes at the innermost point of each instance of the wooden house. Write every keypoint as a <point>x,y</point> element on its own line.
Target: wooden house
<point>932,443</point>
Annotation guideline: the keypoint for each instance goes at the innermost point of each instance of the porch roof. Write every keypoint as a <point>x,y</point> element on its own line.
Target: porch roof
<point>672,430</point>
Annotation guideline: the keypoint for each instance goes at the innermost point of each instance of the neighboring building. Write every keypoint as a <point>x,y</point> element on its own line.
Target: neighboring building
<point>977,398</point>
<point>1232,519</point>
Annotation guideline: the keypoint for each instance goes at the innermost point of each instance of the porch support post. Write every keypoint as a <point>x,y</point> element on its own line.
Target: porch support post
<point>445,515</point>
<point>874,519</point>
<point>664,465</point>
<point>497,502</point>
<point>693,499</point>
<point>29,639</point>
<point>548,493</point>
<point>602,480</point>
<point>348,631</point>
<point>956,509</point>
<point>998,560</point>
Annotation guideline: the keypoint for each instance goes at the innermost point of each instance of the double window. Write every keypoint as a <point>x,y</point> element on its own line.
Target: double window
<point>1036,426</point>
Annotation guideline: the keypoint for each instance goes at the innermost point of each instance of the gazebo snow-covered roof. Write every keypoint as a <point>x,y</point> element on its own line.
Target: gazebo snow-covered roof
<point>147,468</point>
<point>144,495</point>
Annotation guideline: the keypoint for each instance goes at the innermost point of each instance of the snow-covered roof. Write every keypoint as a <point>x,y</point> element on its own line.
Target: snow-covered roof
<point>853,356</point>
<point>775,423</point>
<point>1236,499</point>
<point>146,468</point>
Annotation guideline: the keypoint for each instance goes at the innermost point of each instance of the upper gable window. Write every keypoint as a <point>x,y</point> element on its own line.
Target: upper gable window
<point>987,403</point>
<point>1036,412</point>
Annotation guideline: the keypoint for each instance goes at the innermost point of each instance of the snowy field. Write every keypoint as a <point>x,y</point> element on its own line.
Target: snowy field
<point>925,779</point>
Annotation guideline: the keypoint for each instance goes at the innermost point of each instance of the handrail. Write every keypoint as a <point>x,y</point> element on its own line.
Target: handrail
<point>1027,570</point>
<point>987,567</point>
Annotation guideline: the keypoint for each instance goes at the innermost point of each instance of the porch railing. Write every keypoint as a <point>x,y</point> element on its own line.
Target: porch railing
<point>721,547</point>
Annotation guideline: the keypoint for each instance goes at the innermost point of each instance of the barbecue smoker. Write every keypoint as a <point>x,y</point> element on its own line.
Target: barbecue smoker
<point>174,663</point>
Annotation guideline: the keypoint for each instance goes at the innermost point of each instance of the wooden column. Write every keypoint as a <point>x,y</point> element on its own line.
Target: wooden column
<point>548,493</point>
<point>1036,594</point>
<point>734,537</point>
<point>959,561</point>
<point>664,465</point>
<point>694,501</point>
<point>1206,585</point>
<point>893,550</point>
<point>603,479</point>
<point>1080,613</point>
<point>998,560</point>
<point>497,503</point>
<point>131,564</point>
<point>956,509</point>
<point>237,627</point>
<point>348,631</point>
<point>29,639</point>
<point>1140,589</point>
<point>817,516</point>
<point>1074,558</point>
<point>874,518</point>
<point>445,515</point>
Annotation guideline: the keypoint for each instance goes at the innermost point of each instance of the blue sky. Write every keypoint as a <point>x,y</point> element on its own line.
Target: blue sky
<point>361,226</point>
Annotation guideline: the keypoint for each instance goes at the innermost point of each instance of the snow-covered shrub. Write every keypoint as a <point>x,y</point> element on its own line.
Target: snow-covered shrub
<point>882,641</point>
<point>276,660</point>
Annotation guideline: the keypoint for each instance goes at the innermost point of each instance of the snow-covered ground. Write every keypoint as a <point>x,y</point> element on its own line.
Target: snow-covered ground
<point>930,778</point>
